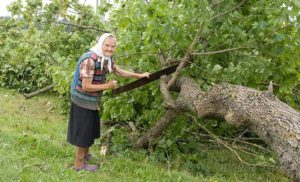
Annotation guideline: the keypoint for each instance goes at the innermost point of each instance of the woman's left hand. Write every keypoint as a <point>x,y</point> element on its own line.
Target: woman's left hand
<point>146,74</point>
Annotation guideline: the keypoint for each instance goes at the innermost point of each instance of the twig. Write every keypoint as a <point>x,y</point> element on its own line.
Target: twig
<point>196,65</point>
<point>204,79</point>
<point>224,143</point>
<point>169,51</point>
<point>184,60</point>
<point>105,139</point>
<point>130,54</point>
<point>247,139</point>
<point>264,83</point>
<point>84,27</point>
<point>244,150</point>
<point>72,12</point>
<point>240,135</point>
<point>249,143</point>
<point>221,14</point>
<point>134,137</point>
<point>40,45</point>
<point>161,58</point>
<point>49,54</point>
<point>173,4</point>
<point>170,47</point>
<point>217,3</point>
<point>111,123</point>
<point>216,52</point>
<point>237,141</point>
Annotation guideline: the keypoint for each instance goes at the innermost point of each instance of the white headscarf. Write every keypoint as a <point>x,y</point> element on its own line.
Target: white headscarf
<point>98,50</point>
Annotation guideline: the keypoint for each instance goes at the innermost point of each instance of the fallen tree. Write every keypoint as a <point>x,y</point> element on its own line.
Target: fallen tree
<point>275,122</point>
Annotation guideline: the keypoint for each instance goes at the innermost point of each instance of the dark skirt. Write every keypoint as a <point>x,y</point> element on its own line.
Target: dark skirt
<point>84,126</point>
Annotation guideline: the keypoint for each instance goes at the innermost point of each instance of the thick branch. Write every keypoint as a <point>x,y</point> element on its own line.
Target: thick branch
<point>168,100</point>
<point>38,92</point>
<point>157,130</point>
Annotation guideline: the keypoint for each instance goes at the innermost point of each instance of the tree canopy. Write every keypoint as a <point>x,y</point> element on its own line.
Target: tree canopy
<point>241,42</point>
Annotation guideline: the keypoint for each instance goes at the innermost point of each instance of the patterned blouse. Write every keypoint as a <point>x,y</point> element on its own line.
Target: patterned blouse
<point>87,68</point>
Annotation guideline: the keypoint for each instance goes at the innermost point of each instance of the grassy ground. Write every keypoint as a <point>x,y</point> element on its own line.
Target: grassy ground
<point>33,147</point>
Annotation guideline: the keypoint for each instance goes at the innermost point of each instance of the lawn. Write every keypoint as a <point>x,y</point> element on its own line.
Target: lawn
<point>34,148</point>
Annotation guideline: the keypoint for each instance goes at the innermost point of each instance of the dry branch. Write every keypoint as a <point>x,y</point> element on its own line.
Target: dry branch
<point>38,92</point>
<point>225,144</point>
<point>157,130</point>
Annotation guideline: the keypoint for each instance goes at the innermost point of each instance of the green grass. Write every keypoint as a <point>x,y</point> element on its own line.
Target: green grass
<point>33,147</point>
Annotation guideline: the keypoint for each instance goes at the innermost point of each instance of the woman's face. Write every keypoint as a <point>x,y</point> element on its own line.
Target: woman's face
<point>109,46</point>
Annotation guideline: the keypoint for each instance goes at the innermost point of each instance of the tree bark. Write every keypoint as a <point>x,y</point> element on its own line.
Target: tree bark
<point>275,122</point>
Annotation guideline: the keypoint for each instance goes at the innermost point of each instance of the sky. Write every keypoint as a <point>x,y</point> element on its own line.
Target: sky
<point>4,12</point>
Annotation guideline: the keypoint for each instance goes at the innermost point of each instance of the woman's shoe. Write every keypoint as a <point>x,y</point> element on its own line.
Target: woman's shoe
<point>87,167</point>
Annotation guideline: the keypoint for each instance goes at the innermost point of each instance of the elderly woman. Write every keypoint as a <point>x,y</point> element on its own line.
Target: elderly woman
<point>87,88</point>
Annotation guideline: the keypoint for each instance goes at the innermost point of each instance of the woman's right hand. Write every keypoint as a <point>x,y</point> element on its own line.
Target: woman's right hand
<point>112,84</point>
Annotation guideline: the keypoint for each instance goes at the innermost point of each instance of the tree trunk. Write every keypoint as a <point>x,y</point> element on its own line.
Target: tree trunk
<point>272,120</point>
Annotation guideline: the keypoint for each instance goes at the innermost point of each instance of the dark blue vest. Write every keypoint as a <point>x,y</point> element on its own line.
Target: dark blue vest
<point>89,100</point>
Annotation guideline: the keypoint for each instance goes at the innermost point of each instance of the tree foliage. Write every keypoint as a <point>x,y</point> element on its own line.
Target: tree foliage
<point>42,42</point>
